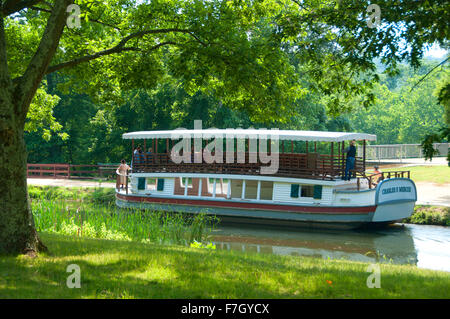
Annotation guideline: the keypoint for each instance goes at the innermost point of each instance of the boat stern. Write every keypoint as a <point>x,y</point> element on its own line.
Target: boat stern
<point>395,199</point>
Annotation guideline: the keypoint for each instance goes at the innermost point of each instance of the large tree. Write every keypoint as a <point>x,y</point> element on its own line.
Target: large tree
<point>238,50</point>
<point>120,45</point>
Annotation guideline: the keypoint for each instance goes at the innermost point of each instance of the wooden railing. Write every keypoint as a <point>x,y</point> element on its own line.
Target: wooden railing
<point>70,171</point>
<point>309,165</point>
<point>374,179</point>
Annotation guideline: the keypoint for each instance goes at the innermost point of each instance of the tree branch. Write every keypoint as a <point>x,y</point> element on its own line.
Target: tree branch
<point>27,85</point>
<point>423,78</point>
<point>156,31</point>
<point>91,20</point>
<point>97,55</point>
<point>12,6</point>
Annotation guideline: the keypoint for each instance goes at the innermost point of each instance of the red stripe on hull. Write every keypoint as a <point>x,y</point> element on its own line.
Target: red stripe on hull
<point>252,206</point>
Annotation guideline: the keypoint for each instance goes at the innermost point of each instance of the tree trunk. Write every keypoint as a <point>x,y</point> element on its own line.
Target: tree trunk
<point>17,231</point>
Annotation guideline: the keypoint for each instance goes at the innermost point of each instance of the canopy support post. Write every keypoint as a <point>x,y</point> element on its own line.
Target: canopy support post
<point>332,159</point>
<point>342,158</point>
<point>364,155</point>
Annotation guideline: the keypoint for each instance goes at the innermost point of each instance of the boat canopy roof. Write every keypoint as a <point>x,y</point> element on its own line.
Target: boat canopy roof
<point>292,135</point>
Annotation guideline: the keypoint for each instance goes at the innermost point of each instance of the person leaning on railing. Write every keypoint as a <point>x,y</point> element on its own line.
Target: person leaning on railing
<point>122,172</point>
<point>377,176</point>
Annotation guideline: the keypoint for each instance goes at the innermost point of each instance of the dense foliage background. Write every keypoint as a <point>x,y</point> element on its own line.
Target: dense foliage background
<point>82,131</point>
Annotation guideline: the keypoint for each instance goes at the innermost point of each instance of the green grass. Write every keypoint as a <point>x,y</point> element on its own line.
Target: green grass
<point>118,269</point>
<point>140,267</point>
<point>439,174</point>
<point>80,194</point>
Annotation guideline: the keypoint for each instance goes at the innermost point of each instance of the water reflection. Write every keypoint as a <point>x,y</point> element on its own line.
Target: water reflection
<point>424,246</point>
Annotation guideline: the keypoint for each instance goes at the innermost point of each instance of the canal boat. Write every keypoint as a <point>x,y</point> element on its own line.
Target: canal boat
<point>282,177</point>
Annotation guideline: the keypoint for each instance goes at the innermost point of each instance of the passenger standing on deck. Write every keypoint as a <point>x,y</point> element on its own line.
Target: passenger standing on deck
<point>149,155</point>
<point>122,172</point>
<point>350,162</point>
<point>135,159</point>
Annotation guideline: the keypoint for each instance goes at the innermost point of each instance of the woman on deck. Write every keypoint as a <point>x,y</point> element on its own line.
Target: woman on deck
<point>122,171</point>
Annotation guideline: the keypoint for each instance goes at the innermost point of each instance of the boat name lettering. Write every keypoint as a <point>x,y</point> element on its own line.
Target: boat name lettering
<point>396,189</point>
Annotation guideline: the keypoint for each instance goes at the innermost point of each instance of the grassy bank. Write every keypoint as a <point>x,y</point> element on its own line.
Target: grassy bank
<point>72,194</point>
<point>120,269</point>
<point>430,215</point>
<point>438,174</point>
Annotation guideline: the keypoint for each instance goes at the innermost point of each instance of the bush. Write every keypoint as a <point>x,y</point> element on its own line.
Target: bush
<point>430,215</point>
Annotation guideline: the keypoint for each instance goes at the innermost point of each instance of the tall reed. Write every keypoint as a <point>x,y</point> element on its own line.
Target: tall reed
<point>81,218</point>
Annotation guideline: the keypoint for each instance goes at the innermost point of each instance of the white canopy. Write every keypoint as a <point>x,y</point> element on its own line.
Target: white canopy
<point>318,136</point>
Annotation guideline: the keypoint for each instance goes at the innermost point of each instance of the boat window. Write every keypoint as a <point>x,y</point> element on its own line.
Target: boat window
<point>318,191</point>
<point>141,183</point>
<point>160,184</point>
<point>236,188</point>
<point>266,190</point>
<point>295,190</point>
<point>251,189</point>
<point>189,182</point>
<point>221,187</point>
<point>307,191</point>
<point>151,184</point>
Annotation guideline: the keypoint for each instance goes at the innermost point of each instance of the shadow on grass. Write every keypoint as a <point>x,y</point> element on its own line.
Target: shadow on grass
<point>112,269</point>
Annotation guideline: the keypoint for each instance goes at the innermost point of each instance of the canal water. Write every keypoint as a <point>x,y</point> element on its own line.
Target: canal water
<point>422,245</point>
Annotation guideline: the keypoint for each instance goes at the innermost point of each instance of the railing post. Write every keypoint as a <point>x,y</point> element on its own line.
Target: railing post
<point>364,155</point>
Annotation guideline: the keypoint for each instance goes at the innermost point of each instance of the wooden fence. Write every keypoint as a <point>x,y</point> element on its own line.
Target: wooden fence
<point>71,171</point>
